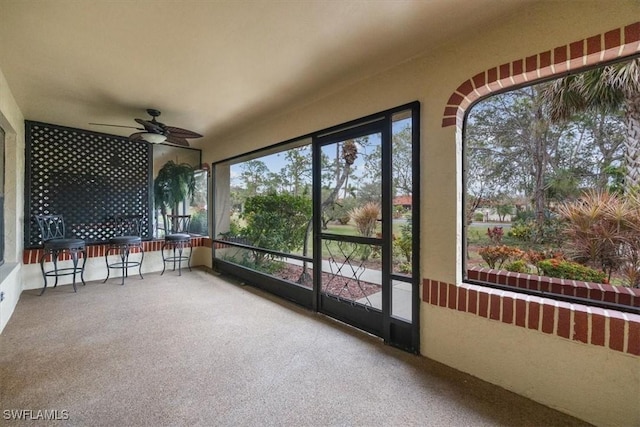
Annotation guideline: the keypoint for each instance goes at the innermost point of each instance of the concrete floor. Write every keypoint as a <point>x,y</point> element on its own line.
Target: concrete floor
<point>202,350</point>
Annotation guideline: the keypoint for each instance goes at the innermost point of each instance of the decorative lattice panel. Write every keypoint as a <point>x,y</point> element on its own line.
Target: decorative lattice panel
<point>87,177</point>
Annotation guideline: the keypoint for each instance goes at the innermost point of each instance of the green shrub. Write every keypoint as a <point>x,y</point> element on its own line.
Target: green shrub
<point>564,269</point>
<point>199,223</point>
<point>478,217</point>
<point>524,216</point>
<point>403,245</point>
<point>521,230</point>
<point>277,222</point>
<point>517,266</point>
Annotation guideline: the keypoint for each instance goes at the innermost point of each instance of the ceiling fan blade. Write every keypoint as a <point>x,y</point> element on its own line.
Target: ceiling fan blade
<point>151,127</point>
<point>172,139</point>
<point>136,136</point>
<point>115,126</point>
<point>182,133</point>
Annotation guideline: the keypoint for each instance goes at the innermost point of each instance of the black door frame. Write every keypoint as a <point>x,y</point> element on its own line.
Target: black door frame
<point>394,331</point>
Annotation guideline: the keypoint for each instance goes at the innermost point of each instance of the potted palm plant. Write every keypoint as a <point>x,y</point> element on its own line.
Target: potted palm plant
<point>174,183</point>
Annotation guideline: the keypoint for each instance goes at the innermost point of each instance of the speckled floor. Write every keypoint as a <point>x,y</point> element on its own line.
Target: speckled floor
<point>201,350</point>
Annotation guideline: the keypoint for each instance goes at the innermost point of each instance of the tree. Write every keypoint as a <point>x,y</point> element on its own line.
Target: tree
<point>510,142</point>
<point>297,172</point>
<point>253,176</point>
<point>503,209</point>
<point>343,165</point>
<point>605,89</point>
<point>277,222</point>
<point>402,157</point>
<point>173,185</point>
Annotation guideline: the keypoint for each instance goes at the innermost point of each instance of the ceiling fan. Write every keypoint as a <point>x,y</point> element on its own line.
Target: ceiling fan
<point>155,132</point>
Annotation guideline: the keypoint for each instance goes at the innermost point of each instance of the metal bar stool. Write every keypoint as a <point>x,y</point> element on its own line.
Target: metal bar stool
<point>54,242</point>
<point>176,241</point>
<point>129,232</point>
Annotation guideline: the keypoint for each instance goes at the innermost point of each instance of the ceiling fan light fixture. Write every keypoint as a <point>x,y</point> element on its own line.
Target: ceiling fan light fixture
<point>154,138</point>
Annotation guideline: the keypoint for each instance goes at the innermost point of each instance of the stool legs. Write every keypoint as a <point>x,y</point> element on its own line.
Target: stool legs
<point>63,271</point>
<point>124,264</point>
<point>173,247</point>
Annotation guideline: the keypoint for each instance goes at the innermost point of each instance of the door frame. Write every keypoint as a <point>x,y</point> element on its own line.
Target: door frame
<point>394,331</point>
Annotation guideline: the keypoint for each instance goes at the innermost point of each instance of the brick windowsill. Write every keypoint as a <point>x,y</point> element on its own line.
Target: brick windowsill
<point>32,256</point>
<point>574,288</point>
<point>589,325</point>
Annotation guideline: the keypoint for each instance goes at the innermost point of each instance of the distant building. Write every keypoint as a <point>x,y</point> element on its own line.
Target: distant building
<point>403,201</point>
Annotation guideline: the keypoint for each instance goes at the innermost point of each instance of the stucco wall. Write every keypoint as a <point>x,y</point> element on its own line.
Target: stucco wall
<point>596,384</point>
<point>12,121</point>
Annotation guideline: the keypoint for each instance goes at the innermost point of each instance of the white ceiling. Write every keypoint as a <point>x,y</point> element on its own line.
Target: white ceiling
<point>210,66</point>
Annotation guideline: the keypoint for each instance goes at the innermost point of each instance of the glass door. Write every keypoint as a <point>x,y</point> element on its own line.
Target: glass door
<point>352,255</point>
<point>365,239</point>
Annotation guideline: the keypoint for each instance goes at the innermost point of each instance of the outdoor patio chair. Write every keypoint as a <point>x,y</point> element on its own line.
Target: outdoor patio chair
<point>176,241</point>
<point>55,242</point>
<point>128,237</point>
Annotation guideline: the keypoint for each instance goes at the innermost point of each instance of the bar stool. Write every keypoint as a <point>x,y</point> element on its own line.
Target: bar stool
<point>54,242</point>
<point>129,232</point>
<point>177,240</point>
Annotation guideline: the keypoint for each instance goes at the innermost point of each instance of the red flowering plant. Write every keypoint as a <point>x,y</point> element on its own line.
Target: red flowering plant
<point>496,256</point>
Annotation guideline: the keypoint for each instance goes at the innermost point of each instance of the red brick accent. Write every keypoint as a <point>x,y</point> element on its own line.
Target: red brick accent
<point>507,310</point>
<point>494,307</point>
<point>451,111</point>
<point>425,291</point>
<point>531,63</point>
<point>443,294</point>
<point>434,292</point>
<point>32,256</point>
<point>521,312</point>
<point>564,322</point>
<point>545,59</point>
<point>612,39</point>
<point>560,55</point>
<point>465,88</point>
<point>449,121</point>
<point>505,71</point>
<point>518,67</point>
<point>579,53</point>
<point>616,331</point>
<point>597,326</point>
<point>483,304</point>
<point>594,44</point>
<point>633,345</point>
<point>548,318</point>
<point>534,315</point>
<point>576,50</point>
<point>473,301</point>
<point>479,80</point>
<point>492,75</point>
<point>632,33</point>
<point>462,299</point>
<point>586,325</point>
<point>581,326</point>
<point>453,297</point>
<point>595,291</point>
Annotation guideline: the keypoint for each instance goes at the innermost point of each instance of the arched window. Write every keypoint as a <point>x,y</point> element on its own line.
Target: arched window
<point>551,166</point>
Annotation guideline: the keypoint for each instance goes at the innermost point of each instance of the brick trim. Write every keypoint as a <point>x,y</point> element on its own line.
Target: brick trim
<point>574,288</point>
<point>589,325</point>
<point>32,256</point>
<point>593,50</point>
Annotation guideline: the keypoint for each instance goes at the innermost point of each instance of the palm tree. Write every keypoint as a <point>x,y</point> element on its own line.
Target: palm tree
<point>607,89</point>
<point>174,183</point>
